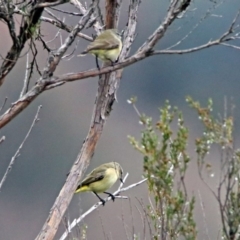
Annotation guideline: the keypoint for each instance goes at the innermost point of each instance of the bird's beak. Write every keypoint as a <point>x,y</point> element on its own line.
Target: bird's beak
<point>121,180</point>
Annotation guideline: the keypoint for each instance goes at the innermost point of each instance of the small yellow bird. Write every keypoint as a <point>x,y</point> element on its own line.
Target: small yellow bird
<point>101,179</point>
<point>106,46</point>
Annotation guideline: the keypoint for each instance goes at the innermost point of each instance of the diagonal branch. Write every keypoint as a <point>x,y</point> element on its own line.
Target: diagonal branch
<point>77,4</point>
<point>225,37</point>
<point>63,26</point>
<point>172,14</point>
<point>50,3</point>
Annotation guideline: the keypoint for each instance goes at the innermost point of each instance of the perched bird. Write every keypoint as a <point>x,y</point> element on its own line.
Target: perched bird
<point>101,179</point>
<point>106,46</point>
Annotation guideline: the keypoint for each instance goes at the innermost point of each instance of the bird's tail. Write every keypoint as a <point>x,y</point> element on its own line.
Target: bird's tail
<point>82,54</point>
<point>81,188</point>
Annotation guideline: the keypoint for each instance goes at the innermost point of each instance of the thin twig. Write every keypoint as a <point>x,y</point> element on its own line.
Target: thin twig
<point>50,4</point>
<point>124,223</point>
<point>70,55</point>
<point>2,139</point>
<point>204,17</point>
<point>67,12</point>
<point>230,45</point>
<point>131,211</point>
<point>17,154</point>
<point>146,216</point>
<point>77,4</point>
<point>34,51</point>
<point>26,79</point>
<point>204,215</point>
<point>143,221</point>
<point>103,229</point>
<point>99,15</point>
<point>4,102</point>
<point>61,25</point>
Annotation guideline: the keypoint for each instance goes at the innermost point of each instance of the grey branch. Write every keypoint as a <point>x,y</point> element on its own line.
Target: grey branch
<point>60,24</point>
<point>2,139</point>
<point>50,4</point>
<point>3,105</point>
<point>26,79</point>
<point>78,5</point>
<point>67,12</point>
<point>57,56</point>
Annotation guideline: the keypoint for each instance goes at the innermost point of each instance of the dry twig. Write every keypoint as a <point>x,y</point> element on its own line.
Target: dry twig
<point>17,154</point>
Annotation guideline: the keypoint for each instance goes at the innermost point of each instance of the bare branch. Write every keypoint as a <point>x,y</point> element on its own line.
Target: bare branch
<point>17,154</point>
<point>34,51</point>
<point>50,4</point>
<point>3,105</point>
<point>146,215</point>
<point>143,221</point>
<point>77,4</point>
<point>100,15</point>
<point>172,14</point>
<point>62,25</point>
<point>53,15</point>
<point>55,58</point>
<point>70,55</point>
<point>204,17</point>
<point>112,13</point>
<point>230,45</point>
<point>67,12</point>
<point>204,216</point>
<point>124,224</point>
<point>2,139</point>
<point>26,79</point>
<point>227,36</point>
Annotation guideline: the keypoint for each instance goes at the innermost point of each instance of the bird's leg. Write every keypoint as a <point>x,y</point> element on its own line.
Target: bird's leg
<point>97,63</point>
<point>112,62</point>
<point>103,202</point>
<point>110,195</point>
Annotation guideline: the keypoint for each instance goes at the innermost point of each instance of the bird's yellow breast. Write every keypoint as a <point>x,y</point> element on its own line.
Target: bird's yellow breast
<point>107,55</point>
<point>103,185</point>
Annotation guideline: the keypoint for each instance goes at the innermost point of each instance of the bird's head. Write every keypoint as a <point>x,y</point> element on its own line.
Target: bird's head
<point>119,170</point>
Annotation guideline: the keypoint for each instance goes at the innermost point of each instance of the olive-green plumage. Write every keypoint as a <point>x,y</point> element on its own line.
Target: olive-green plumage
<point>106,46</point>
<point>101,179</point>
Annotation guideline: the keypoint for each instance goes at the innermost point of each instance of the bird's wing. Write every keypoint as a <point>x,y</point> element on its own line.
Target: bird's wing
<point>100,44</point>
<point>93,177</point>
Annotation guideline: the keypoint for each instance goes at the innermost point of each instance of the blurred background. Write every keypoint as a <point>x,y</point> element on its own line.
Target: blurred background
<point>39,173</point>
